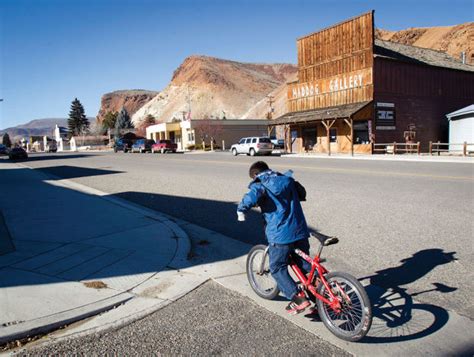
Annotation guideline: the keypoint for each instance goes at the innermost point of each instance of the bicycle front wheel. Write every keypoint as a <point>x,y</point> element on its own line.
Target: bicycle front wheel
<point>260,279</point>
<point>354,319</point>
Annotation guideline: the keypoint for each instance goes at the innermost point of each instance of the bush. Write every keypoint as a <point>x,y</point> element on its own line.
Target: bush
<point>199,147</point>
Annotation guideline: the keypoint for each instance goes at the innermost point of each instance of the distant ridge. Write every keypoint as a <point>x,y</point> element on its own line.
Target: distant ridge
<point>36,127</point>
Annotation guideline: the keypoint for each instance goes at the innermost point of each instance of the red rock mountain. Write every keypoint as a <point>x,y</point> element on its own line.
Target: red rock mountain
<point>131,100</point>
<point>214,87</point>
<point>450,39</point>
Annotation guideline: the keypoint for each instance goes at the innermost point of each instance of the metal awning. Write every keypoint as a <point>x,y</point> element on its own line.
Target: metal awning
<point>338,112</point>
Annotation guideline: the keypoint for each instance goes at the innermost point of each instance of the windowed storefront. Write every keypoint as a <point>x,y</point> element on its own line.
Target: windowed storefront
<point>361,132</point>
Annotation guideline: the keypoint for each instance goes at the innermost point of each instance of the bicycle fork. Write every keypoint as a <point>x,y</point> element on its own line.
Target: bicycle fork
<point>261,270</point>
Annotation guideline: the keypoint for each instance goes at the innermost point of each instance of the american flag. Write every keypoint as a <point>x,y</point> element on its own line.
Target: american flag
<point>189,115</point>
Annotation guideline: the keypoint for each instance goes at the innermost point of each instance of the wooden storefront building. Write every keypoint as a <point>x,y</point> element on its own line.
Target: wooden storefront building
<point>353,91</point>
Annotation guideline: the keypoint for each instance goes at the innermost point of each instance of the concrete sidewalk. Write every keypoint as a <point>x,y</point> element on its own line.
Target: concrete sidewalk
<point>76,254</point>
<point>387,157</point>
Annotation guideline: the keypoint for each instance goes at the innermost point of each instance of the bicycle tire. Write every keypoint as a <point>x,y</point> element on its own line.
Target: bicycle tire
<point>264,285</point>
<point>354,322</point>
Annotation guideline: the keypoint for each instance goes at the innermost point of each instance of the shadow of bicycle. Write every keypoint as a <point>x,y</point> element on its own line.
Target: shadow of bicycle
<point>397,317</point>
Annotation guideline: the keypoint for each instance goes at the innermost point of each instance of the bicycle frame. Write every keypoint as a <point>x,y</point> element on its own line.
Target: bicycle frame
<point>316,266</point>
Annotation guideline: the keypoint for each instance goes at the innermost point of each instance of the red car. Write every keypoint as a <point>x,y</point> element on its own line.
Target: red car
<point>164,146</point>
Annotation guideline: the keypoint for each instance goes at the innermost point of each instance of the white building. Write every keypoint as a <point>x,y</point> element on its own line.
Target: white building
<point>190,133</point>
<point>461,128</point>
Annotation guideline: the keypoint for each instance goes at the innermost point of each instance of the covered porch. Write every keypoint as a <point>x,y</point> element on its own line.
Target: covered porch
<point>342,129</point>
<point>165,131</point>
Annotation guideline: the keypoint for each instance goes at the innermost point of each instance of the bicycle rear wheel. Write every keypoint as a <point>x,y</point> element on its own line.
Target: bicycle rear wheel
<point>355,318</point>
<point>261,282</point>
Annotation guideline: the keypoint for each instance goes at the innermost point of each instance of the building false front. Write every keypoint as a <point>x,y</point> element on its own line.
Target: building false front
<point>353,91</point>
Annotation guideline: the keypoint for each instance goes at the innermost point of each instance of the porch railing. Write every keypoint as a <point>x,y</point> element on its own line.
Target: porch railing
<point>465,148</point>
<point>397,148</point>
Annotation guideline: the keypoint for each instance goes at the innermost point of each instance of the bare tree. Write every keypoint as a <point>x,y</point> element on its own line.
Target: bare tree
<point>208,130</point>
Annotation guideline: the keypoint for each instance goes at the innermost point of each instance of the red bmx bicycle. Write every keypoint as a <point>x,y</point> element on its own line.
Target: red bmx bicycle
<point>342,302</point>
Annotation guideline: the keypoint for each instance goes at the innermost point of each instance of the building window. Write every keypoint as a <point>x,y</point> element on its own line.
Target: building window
<point>333,135</point>
<point>361,132</point>
<point>191,136</point>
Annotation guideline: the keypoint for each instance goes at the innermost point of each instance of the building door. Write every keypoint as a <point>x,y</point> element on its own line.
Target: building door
<point>294,142</point>
<point>172,136</point>
<point>333,140</point>
<point>309,138</point>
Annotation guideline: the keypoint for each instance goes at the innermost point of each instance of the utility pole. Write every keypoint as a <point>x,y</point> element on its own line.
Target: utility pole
<point>189,104</point>
<point>271,100</point>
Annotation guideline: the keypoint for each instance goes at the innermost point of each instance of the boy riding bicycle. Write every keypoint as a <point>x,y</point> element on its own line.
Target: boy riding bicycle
<point>285,226</point>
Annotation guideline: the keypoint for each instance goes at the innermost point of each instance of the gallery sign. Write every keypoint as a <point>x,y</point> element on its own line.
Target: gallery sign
<point>343,82</point>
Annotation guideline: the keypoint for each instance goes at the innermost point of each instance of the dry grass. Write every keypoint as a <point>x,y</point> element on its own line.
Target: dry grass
<point>97,284</point>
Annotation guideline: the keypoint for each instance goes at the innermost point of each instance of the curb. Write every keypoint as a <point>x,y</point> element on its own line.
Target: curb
<point>458,160</point>
<point>45,324</point>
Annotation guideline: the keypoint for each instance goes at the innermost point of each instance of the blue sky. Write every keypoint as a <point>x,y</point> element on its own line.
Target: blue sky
<point>55,50</point>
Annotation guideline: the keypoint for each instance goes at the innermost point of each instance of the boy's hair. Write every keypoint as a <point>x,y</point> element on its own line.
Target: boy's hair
<point>257,168</point>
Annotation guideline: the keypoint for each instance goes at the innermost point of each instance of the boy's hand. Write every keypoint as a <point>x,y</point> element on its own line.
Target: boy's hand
<point>240,216</point>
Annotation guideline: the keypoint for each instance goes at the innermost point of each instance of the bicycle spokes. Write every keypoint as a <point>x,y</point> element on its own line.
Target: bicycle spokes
<point>347,314</point>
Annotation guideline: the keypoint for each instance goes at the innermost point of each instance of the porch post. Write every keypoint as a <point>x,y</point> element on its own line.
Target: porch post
<point>351,127</point>
<point>328,126</point>
<point>327,137</point>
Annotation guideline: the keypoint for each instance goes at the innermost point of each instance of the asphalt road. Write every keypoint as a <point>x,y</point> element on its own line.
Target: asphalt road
<point>210,320</point>
<point>407,225</point>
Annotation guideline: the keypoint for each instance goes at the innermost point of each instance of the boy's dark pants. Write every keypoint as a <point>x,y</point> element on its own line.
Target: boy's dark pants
<point>279,254</point>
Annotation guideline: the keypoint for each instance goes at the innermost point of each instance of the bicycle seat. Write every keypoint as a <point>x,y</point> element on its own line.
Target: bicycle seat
<point>330,241</point>
<point>325,240</point>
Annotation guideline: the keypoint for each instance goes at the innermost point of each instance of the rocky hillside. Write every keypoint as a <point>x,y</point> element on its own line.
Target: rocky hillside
<point>131,100</point>
<point>450,39</point>
<point>215,87</point>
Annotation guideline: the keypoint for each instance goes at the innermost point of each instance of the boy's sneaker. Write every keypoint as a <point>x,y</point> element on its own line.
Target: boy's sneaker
<point>297,304</point>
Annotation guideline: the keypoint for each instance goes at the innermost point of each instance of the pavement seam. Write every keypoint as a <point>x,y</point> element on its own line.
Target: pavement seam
<point>64,257</point>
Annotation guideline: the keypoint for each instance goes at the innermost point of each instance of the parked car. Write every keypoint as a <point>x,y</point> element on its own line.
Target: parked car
<point>164,146</point>
<point>52,147</point>
<point>253,146</point>
<point>17,154</point>
<point>277,143</point>
<point>142,145</point>
<point>122,144</point>
<point>3,150</point>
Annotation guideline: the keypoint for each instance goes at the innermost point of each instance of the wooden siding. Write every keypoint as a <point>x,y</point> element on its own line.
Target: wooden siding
<point>334,66</point>
<point>422,96</point>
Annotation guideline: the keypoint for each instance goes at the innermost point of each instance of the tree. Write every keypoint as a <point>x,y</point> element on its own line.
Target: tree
<point>109,120</point>
<point>77,121</point>
<point>6,140</point>
<point>122,122</point>
<point>141,128</point>
<point>208,129</point>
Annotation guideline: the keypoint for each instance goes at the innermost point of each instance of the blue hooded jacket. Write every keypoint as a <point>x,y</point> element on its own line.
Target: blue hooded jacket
<point>278,199</point>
